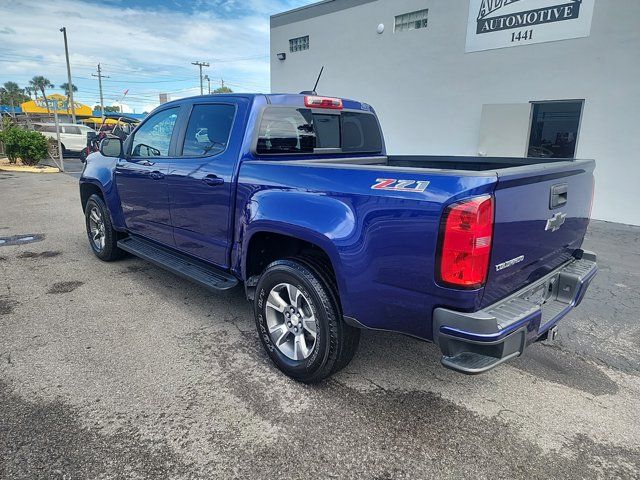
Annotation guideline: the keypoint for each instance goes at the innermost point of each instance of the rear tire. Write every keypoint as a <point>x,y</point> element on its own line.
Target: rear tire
<point>103,239</point>
<point>300,323</point>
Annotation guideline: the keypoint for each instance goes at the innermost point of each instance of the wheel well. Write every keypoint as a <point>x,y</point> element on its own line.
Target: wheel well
<point>267,247</point>
<point>86,190</point>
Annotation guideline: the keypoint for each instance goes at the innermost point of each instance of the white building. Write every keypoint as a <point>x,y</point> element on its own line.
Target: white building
<point>483,77</point>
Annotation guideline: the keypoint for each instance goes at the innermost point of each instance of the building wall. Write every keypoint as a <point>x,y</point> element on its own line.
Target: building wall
<point>430,94</point>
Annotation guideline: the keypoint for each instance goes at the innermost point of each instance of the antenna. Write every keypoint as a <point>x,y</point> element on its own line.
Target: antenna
<point>318,80</point>
<point>313,92</point>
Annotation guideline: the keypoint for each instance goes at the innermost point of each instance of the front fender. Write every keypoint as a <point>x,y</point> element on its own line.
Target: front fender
<point>98,171</point>
<point>318,219</point>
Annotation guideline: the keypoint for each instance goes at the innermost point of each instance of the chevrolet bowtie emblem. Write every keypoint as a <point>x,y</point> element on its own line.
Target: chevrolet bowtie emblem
<point>555,222</point>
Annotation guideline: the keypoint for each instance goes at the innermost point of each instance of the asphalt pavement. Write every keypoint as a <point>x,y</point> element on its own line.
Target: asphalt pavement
<point>122,370</point>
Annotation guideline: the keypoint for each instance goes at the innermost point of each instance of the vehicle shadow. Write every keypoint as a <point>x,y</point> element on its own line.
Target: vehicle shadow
<point>386,360</point>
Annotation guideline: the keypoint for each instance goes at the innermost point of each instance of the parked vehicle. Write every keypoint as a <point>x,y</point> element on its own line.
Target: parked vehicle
<point>120,127</point>
<point>295,197</point>
<point>73,137</point>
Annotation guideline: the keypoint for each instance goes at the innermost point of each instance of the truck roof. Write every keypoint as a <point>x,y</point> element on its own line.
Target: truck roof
<point>275,99</point>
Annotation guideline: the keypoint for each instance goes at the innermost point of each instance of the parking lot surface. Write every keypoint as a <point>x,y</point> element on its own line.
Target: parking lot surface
<point>122,370</point>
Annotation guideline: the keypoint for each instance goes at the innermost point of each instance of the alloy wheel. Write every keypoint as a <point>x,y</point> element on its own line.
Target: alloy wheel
<point>291,321</point>
<point>96,229</point>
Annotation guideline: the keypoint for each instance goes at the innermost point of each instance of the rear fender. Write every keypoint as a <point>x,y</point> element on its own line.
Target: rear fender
<point>317,219</point>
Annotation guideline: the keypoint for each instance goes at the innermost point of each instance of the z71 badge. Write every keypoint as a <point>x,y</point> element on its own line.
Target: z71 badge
<point>400,185</point>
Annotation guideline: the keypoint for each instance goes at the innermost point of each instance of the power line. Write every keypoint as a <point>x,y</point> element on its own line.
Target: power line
<point>124,70</point>
<point>151,81</point>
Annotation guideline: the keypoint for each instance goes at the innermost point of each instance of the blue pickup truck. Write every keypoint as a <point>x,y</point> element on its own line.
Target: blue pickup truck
<point>295,197</point>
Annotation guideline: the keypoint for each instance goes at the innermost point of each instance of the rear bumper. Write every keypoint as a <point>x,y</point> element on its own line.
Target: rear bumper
<point>478,341</point>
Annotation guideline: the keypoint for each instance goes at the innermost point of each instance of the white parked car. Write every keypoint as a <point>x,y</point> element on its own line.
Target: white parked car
<point>72,136</point>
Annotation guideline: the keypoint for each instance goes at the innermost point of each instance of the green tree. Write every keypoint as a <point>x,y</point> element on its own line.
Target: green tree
<point>65,88</point>
<point>223,89</point>
<point>42,83</point>
<point>12,94</point>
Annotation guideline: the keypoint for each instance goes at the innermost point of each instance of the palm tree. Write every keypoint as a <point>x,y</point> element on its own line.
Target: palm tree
<point>13,92</point>
<point>65,87</point>
<point>41,83</point>
<point>29,90</point>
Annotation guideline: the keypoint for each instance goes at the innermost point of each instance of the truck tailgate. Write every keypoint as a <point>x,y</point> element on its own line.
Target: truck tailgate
<point>541,216</point>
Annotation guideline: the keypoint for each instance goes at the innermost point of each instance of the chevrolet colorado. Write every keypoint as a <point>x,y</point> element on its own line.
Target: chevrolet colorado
<point>295,197</point>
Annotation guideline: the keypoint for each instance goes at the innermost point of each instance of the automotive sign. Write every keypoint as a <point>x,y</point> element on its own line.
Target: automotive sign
<point>510,23</point>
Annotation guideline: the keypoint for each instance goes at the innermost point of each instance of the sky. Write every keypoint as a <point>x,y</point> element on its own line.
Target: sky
<point>143,46</point>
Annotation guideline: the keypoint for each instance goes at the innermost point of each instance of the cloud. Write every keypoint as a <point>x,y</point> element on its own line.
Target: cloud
<point>144,46</point>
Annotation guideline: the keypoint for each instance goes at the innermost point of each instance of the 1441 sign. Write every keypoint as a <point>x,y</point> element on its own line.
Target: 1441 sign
<point>509,23</point>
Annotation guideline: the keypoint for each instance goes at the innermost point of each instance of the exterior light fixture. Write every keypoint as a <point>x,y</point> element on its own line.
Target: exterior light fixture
<point>282,56</point>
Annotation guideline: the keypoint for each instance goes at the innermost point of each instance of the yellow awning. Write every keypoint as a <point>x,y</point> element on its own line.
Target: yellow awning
<point>64,108</point>
<point>98,120</point>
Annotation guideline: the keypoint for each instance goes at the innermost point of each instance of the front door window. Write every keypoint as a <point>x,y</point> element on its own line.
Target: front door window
<point>154,136</point>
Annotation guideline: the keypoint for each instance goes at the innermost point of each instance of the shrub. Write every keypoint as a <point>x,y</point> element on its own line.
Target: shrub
<point>28,146</point>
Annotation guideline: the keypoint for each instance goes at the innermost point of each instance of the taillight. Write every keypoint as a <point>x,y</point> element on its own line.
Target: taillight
<point>465,243</point>
<point>323,102</point>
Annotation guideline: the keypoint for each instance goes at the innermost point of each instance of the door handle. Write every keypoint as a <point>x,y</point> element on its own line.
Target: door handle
<point>213,180</point>
<point>156,175</point>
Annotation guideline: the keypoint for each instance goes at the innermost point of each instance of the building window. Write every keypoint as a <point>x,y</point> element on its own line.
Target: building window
<point>554,129</point>
<point>299,44</point>
<point>411,21</point>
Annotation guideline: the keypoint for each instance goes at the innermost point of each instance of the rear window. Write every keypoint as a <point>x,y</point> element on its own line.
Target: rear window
<point>208,129</point>
<point>299,130</point>
<point>73,130</point>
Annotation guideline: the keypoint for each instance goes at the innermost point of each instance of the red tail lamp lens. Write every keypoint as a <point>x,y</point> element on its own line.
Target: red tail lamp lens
<point>466,243</point>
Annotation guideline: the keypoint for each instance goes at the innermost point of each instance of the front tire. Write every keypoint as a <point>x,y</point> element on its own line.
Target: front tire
<point>300,323</point>
<point>102,237</point>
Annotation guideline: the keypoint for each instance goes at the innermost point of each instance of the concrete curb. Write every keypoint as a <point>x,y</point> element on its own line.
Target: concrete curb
<point>5,166</point>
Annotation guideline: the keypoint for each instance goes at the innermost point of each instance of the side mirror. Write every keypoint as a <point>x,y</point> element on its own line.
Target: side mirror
<point>111,147</point>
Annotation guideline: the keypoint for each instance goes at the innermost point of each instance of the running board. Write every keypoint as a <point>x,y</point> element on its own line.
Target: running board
<point>195,270</point>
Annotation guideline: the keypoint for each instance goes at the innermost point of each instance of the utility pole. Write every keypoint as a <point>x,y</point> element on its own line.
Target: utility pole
<point>55,116</point>
<point>222,83</point>
<point>66,53</point>
<point>201,64</point>
<point>206,77</point>
<point>100,77</point>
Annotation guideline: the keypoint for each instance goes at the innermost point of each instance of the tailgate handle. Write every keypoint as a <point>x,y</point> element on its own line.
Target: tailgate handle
<point>558,195</point>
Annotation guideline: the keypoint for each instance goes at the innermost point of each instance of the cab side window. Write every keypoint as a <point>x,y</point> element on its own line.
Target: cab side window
<point>154,137</point>
<point>208,130</point>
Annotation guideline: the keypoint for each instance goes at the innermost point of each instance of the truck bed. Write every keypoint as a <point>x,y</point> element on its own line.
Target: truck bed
<point>526,243</point>
<point>473,164</point>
